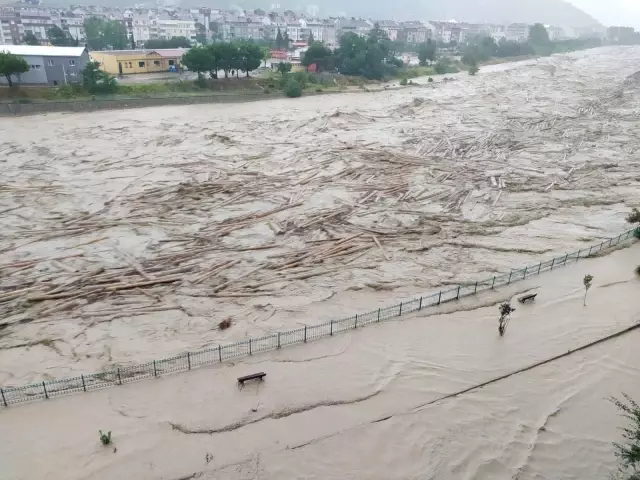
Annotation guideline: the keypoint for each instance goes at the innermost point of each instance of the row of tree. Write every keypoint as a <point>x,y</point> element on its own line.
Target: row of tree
<point>372,57</point>
<point>242,56</point>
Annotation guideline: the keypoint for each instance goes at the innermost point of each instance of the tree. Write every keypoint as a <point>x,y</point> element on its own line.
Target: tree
<point>426,51</point>
<point>173,42</point>
<point>97,81</point>
<point>30,39</point>
<point>279,40</point>
<point>310,39</point>
<point>200,59</point>
<point>250,56</point>
<point>320,55</point>
<point>103,34</point>
<point>286,41</point>
<point>473,68</point>
<point>539,39</point>
<point>284,68</point>
<point>228,57</point>
<point>60,38</point>
<point>628,453</point>
<point>11,64</point>
<point>634,216</point>
<point>505,310</point>
<point>586,281</point>
<point>371,57</point>
<point>266,54</point>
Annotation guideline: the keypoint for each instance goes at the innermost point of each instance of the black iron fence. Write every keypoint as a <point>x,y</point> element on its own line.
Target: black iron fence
<point>250,346</point>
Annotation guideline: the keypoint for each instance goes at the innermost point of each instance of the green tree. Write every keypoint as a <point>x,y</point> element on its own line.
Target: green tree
<point>250,56</point>
<point>293,89</point>
<point>371,57</point>
<point>11,64</point>
<point>279,40</point>
<point>426,51</point>
<point>200,59</point>
<point>284,68</point>
<point>586,281</point>
<point>266,54</point>
<point>30,39</point>
<point>310,38</point>
<point>539,40</point>
<point>60,38</point>
<point>473,68</point>
<point>105,34</point>
<point>320,55</point>
<point>286,41</point>
<point>628,453</point>
<point>97,81</point>
<point>173,42</point>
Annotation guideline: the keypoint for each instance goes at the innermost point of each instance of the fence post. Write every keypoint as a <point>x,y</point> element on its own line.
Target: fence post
<point>219,353</point>
<point>4,400</point>
<point>578,257</point>
<point>46,395</point>
<point>475,290</point>
<point>539,267</point>
<point>590,248</point>
<point>400,312</point>
<point>494,282</point>
<point>189,360</point>
<point>510,273</point>
<point>553,263</point>
<point>525,273</point>
<point>565,259</point>
<point>355,325</point>
<point>439,297</point>
<point>84,386</point>
<point>305,334</point>
<point>155,370</point>
<point>331,330</point>
<point>458,294</point>
<point>420,305</point>
<point>119,377</point>
<point>378,315</point>
<point>250,352</point>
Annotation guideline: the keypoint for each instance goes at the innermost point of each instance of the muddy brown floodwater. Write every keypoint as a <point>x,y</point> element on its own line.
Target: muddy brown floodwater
<point>130,235</point>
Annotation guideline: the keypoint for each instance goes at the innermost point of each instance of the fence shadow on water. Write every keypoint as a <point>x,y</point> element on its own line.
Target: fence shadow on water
<point>250,346</point>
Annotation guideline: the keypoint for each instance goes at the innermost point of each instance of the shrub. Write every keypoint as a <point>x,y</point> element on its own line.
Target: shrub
<point>224,324</point>
<point>473,70</point>
<point>293,89</point>
<point>404,82</point>
<point>318,90</point>
<point>628,453</point>
<point>638,270</point>
<point>430,80</point>
<point>444,66</point>
<point>105,438</point>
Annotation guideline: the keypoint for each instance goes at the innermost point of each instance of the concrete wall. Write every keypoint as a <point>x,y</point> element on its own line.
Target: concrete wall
<point>36,74</point>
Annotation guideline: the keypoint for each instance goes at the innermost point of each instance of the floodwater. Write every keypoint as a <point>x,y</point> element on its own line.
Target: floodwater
<point>280,213</point>
<point>365,404</point>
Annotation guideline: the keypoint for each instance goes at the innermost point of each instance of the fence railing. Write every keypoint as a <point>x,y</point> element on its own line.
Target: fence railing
<point>250,346</point>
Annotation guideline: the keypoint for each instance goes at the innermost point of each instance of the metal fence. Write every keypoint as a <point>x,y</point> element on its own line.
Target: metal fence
<point>250,346</point>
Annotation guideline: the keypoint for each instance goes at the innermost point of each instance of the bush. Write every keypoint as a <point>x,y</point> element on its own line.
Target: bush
<point>444,66</point>
<point>430,80</point>
<point>318,90</point>
<point>404,82</point>
<point>224,324</point>
<point>473,70</point>
<point>293,89</point>
<point>105,438</point>
<point>638,270</point>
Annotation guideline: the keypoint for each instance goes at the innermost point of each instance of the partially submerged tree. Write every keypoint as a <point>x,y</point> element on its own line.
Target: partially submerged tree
<point>105,438</point>
<point>586,281</point>
<point>634,216</point>
<point>505,310</point>
<point>628,453</point>
<point>426,52</point>
<point>473,68</point>
<point>10,65</point>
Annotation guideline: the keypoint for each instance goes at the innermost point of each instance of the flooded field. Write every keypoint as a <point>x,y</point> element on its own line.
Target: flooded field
<point>372,403</point>
<point>128,236</point>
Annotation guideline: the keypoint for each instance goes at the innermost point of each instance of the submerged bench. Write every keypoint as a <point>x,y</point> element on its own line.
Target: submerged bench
<point>253,376</point>
<point>525,298</point>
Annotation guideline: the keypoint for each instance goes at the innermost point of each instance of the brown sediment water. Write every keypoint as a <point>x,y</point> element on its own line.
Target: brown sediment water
<point>365,404</point>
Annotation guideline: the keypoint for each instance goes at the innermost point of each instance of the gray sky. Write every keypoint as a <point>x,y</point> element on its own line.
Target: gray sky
<point>612,12</point>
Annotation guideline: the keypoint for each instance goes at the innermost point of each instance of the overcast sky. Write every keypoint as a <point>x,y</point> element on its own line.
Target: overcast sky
<point>612,12</point>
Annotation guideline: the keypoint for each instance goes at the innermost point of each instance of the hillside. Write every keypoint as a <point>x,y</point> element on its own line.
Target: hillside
<point>556,12</point>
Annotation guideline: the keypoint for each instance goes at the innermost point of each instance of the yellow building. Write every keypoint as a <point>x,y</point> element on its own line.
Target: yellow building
<point>125,62</point>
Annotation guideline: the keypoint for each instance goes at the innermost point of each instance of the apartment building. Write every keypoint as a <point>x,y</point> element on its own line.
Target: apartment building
<point>50,65</point>
<point>150,26</point>
<point>518,32</point>
<point>414,33</point>
<point>391,28</point>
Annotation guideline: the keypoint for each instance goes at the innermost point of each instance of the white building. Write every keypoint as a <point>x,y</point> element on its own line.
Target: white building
<point>161,27</point>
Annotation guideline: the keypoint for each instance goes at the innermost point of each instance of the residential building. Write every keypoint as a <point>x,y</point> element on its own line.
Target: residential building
<point>517,32</point>
<point>125,62</point>
<point>10,30</point>
<point>359,27</point>
<point>498,32</point>
<point>36,21</point>
<point>415,32</point>
<point>49,65</point>
<point>391,28</point>
<point>555,33</point>
<point>74,26</point>
<point>151,26</point>
<point>469,31</point>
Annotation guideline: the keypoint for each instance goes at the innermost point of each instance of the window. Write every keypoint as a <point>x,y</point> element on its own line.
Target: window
<point>35,67</point>
<point>50,63</point>
<point>72,63</point>
<point>141,64</point>
<point>130,65</point>
<point>156,63</point>
<point>171,62</point>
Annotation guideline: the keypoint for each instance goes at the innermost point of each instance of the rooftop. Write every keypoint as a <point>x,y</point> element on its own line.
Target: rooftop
<point>43,51</point>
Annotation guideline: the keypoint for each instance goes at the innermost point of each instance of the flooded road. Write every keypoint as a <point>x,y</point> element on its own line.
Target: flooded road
<point>128,236</point>
<point>371,403</point>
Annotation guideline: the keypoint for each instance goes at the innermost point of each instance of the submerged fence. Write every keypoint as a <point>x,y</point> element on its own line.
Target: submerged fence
<point>189,360</point>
